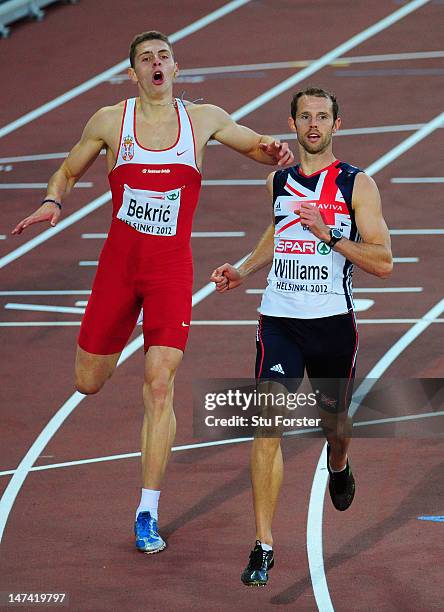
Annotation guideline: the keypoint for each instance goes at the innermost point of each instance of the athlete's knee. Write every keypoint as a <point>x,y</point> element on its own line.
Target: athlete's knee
<point>88,385</point>
<point>157,390</point>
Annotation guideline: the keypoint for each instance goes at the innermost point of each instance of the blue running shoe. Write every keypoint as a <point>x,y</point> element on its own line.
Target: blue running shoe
<point>148,539</point>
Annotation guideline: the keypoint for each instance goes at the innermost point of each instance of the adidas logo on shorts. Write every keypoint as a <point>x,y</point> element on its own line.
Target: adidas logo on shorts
<point>277,368</point>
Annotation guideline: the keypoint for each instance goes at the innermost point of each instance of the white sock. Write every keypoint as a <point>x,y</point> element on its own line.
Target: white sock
<point>266,547</point>
<point>149,501</point>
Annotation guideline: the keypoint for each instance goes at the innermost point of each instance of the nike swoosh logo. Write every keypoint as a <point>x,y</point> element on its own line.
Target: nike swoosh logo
<point>181,152</point>
<point>185,324</point>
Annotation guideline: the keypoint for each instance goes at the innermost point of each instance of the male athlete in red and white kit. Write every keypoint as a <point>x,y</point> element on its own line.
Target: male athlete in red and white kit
<point>154,149</point>
<point>326,217</point>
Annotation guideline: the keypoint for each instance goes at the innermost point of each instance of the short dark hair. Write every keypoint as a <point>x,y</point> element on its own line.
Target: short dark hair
<point>140,38</point>
<point>318,93</point>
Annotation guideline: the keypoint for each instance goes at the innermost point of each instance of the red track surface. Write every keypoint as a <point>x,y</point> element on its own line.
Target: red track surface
<point>70,528</point>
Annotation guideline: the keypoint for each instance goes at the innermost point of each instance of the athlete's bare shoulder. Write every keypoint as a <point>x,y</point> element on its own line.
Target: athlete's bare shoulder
<point>208,119</point>
<point>105,123</point>
<point>209,112</point>
<point>108,116</point>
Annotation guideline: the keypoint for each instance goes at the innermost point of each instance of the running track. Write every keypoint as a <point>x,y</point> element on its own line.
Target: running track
<point>69,529</point>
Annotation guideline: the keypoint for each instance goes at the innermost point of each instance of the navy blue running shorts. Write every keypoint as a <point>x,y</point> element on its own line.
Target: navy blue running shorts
<point>325,348</point>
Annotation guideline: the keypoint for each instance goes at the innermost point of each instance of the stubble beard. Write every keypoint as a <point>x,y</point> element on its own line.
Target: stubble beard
<point>320,147</point>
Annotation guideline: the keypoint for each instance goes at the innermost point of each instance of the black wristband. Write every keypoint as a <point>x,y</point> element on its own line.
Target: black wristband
<point>53,201</point>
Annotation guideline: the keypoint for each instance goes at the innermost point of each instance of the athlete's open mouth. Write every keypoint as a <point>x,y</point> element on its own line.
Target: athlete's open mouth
<point>313,137</point>
<point>158,77</point>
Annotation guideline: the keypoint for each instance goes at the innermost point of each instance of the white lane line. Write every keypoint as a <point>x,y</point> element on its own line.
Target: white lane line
<point>316,503</point>
<point>363,290</point>
<point>88,262</point>
<point>420,179</point>
<point>405,259</point>
<point>341,61</point>
<point>107,74</point>
<point>106,458</point>
<point>49,233</point>
<point>363,304</point>
<point>416,232</point>
<point>37,157</point>
<point>86,185</point>
<point>2,237</point>
<point>51,292</point>
<point>193,235</point>
<point>82,303</point>
<point>400,419</point>
<point>44,308</point>
<point>270,94</point>
<point>217,234</point>
<point>40,324</point>
<point>387,289</point>
<point>15,484</point>
<point>406,144</point>
<point>396,321</point>
<point>329,57</point>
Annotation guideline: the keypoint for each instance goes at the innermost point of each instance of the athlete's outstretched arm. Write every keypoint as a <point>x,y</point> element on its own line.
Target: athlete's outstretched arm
<point>228,277</point>
<point>264,149</point>
<point>373,254</point>
<point>73,167</point>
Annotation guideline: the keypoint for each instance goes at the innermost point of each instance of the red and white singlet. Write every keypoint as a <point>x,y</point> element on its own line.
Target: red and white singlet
<point>146,260</point>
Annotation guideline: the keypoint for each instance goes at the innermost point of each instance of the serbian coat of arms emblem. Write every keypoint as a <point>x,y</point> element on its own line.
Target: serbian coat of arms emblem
<point>127,148</point>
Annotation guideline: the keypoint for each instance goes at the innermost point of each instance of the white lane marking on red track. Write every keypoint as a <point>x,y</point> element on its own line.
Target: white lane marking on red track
<point>193,235</point>
<point>424,180</point>
<point>44,308</point>
<point>104,76</point>
<point>340,61</point>
<point>86,185</point>
<point>416,232</point>
<point>51,292</point>
<point>329,57</point>
<point>53,466</point>
<point>405,259</point>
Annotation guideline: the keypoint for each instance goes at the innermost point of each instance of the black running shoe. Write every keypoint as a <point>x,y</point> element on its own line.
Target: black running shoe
<point>256,572</point>
<point>341,485</point>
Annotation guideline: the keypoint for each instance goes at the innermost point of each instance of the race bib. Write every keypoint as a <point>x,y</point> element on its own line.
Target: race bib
<point>302,265</point>
<point>151,212</point>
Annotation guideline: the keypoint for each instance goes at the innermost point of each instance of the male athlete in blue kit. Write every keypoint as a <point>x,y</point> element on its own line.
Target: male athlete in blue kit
<point>326,217</point>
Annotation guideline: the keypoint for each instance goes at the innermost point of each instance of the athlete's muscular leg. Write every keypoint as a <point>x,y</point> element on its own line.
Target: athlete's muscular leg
<point>92,371</point>
<point>267,470</point>
<point>159,422</point>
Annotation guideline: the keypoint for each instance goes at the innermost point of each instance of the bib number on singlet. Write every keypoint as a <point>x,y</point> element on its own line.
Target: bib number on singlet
<point>299,266</point>
<point>151,212</point>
